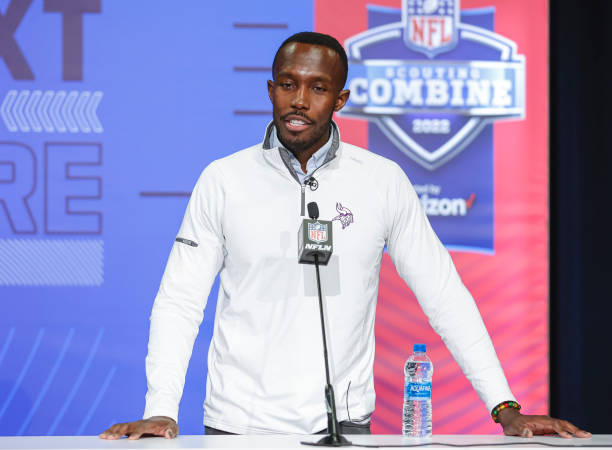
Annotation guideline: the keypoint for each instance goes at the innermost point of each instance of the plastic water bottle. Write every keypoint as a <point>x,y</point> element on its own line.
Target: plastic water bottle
<point>417,393</point>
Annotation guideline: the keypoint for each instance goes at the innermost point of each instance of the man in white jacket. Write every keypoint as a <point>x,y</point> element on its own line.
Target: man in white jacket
<point>265,365</point>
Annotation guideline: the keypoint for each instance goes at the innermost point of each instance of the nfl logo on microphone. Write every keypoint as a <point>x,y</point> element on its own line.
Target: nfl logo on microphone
<point>317,232</point>
<point>315,238</point>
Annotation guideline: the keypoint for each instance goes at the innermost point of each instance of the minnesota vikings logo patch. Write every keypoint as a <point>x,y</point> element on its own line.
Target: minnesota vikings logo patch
<point>345,215</point>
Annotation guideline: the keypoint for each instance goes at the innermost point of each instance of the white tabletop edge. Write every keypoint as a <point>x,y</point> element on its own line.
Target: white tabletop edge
<point>185,442</point>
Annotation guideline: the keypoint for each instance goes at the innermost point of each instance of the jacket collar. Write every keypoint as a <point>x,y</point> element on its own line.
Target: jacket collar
<point>332,151</point>
<point>284,153</point>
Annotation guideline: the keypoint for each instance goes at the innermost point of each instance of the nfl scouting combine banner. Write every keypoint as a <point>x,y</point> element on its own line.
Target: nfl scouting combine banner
<point>455,91</point>
<point>110,109</point>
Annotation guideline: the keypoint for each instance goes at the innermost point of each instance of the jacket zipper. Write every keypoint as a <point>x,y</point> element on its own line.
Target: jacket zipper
<point>303,185</point>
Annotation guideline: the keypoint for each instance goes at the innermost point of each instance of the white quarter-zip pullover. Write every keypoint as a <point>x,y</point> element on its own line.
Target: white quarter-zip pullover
<point>265,365</point>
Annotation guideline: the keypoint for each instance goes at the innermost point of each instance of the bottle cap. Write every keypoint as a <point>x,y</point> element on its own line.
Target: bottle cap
<point>419,348</point>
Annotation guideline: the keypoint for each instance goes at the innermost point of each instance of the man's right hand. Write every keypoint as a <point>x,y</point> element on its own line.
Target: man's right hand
<point>153,426</point>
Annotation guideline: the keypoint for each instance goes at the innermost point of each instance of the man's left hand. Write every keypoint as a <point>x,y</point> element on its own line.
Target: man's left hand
<point>516,424</point>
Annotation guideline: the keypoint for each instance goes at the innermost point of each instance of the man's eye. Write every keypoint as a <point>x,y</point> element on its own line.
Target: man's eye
<point>319,89</point>
<point>285,85</point>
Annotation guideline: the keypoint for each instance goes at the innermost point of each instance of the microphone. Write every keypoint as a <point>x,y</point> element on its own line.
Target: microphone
<point>313,210</point>
<point>314,238</point>
<point>315,247</point>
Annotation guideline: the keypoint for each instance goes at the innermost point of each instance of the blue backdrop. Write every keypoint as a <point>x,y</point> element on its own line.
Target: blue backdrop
<point>109,111</point>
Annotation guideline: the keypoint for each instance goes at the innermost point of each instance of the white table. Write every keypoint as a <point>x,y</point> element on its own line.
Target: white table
<point>288,442</point>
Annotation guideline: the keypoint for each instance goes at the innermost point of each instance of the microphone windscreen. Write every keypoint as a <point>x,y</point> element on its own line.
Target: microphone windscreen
<point>313,210</point>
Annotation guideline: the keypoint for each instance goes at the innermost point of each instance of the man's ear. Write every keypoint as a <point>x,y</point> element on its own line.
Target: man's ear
<point>270,88</point>
<point>341,100</point>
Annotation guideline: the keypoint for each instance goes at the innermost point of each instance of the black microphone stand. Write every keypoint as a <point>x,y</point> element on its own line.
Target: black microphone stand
<point>334,438</point>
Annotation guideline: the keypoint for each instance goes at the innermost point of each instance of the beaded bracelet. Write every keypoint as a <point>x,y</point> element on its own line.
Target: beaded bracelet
<point>504,405</point>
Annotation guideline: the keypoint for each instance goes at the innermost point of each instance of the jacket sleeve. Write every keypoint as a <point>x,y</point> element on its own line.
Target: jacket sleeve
<point>426,266</point>
<point>195,259</point>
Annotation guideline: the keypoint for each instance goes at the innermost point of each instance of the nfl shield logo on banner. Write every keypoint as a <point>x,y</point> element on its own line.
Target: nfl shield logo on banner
<point>317,232</point>
<point>432,79</point>
<point>432,109</point>
<point>430,25</point>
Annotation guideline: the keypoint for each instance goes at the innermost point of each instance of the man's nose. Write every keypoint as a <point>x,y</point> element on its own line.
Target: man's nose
<point>300,99</point>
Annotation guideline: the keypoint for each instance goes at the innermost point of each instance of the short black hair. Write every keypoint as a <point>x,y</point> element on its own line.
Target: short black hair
<point>310,37</point>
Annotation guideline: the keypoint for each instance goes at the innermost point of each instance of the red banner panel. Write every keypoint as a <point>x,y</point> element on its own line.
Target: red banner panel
<point>457,94</point>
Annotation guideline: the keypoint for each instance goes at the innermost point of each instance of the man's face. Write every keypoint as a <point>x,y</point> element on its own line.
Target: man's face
<point>306,90</point>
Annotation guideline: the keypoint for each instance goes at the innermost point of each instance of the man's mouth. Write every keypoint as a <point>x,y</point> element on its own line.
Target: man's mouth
<point>296,123</point>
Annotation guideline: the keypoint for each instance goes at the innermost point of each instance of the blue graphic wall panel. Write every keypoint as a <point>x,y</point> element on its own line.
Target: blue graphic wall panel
<point>109,110</point>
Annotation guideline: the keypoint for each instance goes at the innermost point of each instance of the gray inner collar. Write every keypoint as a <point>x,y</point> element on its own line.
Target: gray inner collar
<point>284,153</point>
